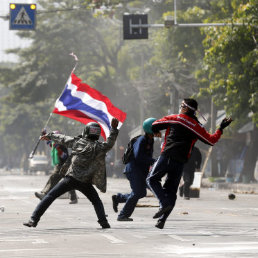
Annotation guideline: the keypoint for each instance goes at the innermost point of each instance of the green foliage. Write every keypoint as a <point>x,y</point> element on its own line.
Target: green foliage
<point>32,86</point>
<point>230,65</point>
<point>177,54</point>
<point>212,62</point>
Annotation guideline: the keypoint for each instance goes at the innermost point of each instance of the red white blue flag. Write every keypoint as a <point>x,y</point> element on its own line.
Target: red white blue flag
<point>82,103</point>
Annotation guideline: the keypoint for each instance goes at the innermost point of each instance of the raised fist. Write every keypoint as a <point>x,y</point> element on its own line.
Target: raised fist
<point>114,123</point>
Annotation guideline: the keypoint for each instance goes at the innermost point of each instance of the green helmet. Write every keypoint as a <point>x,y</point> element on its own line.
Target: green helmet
<point>147,124</point>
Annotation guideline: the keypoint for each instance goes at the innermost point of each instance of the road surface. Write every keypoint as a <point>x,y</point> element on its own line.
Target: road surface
<point>209,226</point>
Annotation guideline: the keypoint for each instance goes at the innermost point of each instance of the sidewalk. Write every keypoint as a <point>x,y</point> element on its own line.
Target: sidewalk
<point>234,187</point>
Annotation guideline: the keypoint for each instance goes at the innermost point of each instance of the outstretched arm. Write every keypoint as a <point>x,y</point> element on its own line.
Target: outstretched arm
<point>67,141</point>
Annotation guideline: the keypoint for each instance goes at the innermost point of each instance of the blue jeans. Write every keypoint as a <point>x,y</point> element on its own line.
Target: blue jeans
<point>166,194</point>
<point>138,185</point>
<point>68,184</point>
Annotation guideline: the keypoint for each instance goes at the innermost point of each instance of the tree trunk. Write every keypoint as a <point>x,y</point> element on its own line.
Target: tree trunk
<point>251,157</point>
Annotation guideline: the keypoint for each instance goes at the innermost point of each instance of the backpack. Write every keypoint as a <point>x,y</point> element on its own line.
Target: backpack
<point>128,154</point>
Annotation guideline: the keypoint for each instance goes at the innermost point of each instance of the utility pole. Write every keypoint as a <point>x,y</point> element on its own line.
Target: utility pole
<point>214,165</point>
<point>140,92</point>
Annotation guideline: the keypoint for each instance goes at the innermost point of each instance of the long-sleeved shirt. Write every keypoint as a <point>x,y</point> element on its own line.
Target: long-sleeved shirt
<point>182,131</point>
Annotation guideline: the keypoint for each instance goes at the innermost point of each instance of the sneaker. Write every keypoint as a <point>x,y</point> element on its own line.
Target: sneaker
<point>73,201</point>
<point>123,218</point>
<point>162,211</point>
<point>30,223</point>
<point>39,195</point>
<point>115,203</point>
<point>105,225</point>
<point>160,224</point>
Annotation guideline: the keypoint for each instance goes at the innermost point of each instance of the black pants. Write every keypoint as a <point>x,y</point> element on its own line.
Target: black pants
<point>188,177</point>
<point>165,193</point>
<point>54,179</point>
<point>68,184</point>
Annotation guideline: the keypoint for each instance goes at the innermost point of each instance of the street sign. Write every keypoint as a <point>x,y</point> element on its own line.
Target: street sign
<point>22,16</point>
<point>131,20</point>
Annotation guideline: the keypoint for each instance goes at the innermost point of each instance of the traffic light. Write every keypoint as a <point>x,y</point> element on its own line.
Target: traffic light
<point>131,32</point>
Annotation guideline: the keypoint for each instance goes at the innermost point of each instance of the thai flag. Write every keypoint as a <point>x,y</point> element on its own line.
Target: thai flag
<point>82,103</point>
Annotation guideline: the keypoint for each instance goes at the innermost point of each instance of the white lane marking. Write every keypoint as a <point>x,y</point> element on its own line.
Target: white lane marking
<point>113,239</point>
<point>219,248</point>
<point>19,250</point>
<point>14,197</point>
<point>206,233</point>
<point>180,238</point>
<point>232,243</point>
<point>39,241</point>
<point>32,240</point>
<point>240,209</point>
<point>14,240</point>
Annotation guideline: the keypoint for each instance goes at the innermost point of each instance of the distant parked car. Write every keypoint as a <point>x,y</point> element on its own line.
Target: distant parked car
<point>39,163</point>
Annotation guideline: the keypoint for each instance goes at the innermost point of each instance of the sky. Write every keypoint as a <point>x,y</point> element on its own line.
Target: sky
<point>8,37</point>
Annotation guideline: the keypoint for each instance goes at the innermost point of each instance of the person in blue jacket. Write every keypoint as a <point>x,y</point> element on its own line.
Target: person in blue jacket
<point>136,171</point>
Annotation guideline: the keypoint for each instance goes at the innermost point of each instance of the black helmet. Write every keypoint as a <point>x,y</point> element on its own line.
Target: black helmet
<point>92,130</point>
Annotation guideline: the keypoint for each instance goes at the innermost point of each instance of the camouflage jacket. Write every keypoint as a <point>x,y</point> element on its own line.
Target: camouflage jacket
<point>88,157</point>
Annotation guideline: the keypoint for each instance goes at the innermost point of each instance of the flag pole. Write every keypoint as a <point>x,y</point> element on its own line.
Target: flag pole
<point>37,143</point>
<point>76,62</point>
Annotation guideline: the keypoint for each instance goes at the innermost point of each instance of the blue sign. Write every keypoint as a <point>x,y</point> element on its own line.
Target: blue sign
<point>22,16</point>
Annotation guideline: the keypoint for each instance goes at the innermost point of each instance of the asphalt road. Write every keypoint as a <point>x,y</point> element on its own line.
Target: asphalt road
<point>209,226</point>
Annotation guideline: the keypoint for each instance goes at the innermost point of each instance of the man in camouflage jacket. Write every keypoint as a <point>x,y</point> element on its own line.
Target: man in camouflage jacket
<point>87,168</point>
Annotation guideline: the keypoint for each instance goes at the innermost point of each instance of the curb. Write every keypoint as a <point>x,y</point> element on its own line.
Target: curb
<point>234,187</point>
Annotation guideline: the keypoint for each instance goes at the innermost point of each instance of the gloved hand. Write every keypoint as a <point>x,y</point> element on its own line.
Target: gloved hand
<point>114,123</point>
<point>44,131</point>
<point>225,122</point>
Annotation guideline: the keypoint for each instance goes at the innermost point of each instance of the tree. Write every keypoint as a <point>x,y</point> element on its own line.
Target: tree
<point>105,62</point>
<point>230,70</point>
<point>38,78</point>
<point>177,55</point>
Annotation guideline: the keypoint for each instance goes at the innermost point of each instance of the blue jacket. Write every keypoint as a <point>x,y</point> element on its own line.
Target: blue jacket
<point>142,159</point>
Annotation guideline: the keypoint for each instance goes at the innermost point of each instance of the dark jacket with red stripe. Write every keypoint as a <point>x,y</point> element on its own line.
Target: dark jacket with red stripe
<point>182,131</point>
